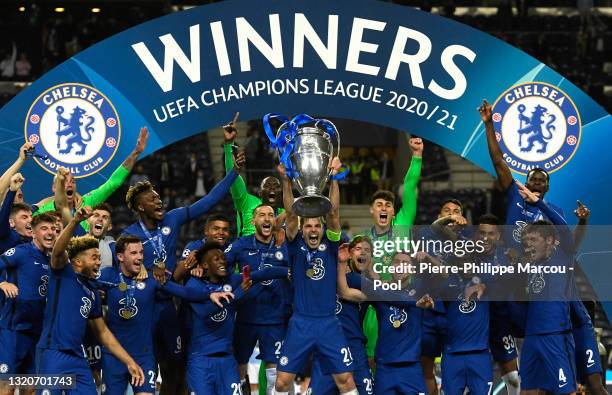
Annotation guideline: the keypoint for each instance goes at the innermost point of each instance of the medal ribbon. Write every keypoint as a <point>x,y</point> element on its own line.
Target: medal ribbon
<point>129,292</point>
<point>157,242</point>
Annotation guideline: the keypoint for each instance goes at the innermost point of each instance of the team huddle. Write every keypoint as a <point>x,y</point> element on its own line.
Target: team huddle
<point>113,313</point>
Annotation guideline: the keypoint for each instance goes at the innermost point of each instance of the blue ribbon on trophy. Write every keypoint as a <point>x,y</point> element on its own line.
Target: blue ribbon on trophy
<point>306,147</point>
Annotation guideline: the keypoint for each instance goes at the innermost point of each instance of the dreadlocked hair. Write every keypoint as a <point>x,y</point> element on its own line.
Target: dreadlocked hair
<point>132,194</point>
<point>80,244</point>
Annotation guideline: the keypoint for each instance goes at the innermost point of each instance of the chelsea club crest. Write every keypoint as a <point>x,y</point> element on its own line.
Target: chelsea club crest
<point>537,125</point>
<point>75,126</point>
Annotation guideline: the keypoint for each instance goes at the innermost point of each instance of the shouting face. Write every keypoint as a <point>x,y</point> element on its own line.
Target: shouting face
<point>382,212</point>
<point>312,232</point>
<point>44,235</point>
<point>150,205</point>
<point>263,220</point>
<point>361,256</point>
<point>215,264</point>
<point>21,221</point>
<point>89,261</point>
<point>271,191</point>
<point>99,223</point>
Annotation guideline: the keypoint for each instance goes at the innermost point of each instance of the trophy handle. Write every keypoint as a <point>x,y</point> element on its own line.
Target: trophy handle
<point>333,132</point>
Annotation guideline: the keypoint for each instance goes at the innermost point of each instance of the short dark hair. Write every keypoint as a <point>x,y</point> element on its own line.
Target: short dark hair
<point>383,194</point>
<point>44,217</point>
<point>123,241</point>
<point>80,244</point>
<point>262,205</point>
<point>538,170</point>
<point>103,207</point>
<point>17,207</point>
<point>131,198</point>
<point>453,201</point>
<point>216,217</point>
<point>542,227</point>
<point>488,219</point>
<point>358,239</point>
<point>208,246</point>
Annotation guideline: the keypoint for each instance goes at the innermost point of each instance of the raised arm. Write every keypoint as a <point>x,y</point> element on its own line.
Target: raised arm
<point>61,199</point>
<point>269,273</point>
<point>333,217</point>
<point>504,176</point>
<point>108,340</point>
<point>59,256</point>
<point>239,189</point>
<point>407,213</point>
<point>291,219</point>
<point>209,201</point>
<point>583,214</point>
<point>5,212</point>
<point>342,288</point>
<point>5,179</point>
<point>141,144</point>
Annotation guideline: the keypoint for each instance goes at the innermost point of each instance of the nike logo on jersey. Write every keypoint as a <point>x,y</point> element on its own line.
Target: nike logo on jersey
<point>562,385</point>
<point>590,364</point>
<point>253,253</point>
<point>519,205</point>
<point>36,263</point>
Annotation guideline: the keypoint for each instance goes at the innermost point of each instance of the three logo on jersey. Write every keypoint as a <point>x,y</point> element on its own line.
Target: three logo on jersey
<point>539,127</point>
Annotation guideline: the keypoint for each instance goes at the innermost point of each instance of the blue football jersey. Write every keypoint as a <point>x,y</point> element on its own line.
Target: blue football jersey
<point>313,273</point>
<point>268,306</point>
<point>72,299</point>
<point>26,267</point>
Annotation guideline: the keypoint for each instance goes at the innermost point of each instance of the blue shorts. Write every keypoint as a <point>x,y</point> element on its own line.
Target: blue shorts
<point>116,376</point>
<point>17,352</point>
<point>63,363</point>
<point>93,350</point>
<point>399,378</point>
<point>270,339</point>
<point>307,335</point>
<point>212,375</point>
<point>167,332</point>
<point>324,384</point>
<point>434,331</point>
<point>588,360</point>
<point>548,363</point>
<point>502,344</point>
<point>472,370</point>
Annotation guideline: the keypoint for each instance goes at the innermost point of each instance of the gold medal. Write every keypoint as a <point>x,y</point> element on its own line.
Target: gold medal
<point>396,324</point>
<point>126,314</point>
<point>122,286</point>
<point>160,264</point>
<point>310,273</point>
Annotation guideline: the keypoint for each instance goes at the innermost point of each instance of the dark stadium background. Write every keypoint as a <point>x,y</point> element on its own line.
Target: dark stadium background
<point>572,37</point>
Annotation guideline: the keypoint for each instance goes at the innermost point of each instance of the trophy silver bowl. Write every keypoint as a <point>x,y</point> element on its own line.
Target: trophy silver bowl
<point>312,153</point>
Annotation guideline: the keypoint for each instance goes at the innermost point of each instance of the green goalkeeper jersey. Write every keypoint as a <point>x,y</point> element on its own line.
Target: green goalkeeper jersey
<point>244,202</point>
<point>95,197</point>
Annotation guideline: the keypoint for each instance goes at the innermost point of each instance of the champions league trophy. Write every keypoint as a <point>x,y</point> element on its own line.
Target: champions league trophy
<point>306,147</point>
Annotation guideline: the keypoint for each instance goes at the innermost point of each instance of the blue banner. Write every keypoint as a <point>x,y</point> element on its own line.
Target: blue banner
<point>371,61</point>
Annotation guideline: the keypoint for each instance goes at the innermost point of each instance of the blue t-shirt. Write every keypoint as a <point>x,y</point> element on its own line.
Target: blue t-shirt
<point>314,295</point>
<point>519,214</point>
<point>26,267</point>
<point>548,309</point>
<point>399,332</point>
<point>160,243</point>
<point>268,306</point>
<point>130,313</point>
<point>351,315</point>
<point>9,237</point>
<point>467,322</point>
<point>72,299</point>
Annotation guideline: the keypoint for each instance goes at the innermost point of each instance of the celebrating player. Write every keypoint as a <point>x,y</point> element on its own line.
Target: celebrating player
<point>100,194</point>
<point>74,303</point>
<point>313,257</point>
<point>27,267</point>
<point>159,232</point>
<point>15,218</point>
<point>262,318</point>
<point>270,191</point>
<point>211,367</point>
<point>519,213</point>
